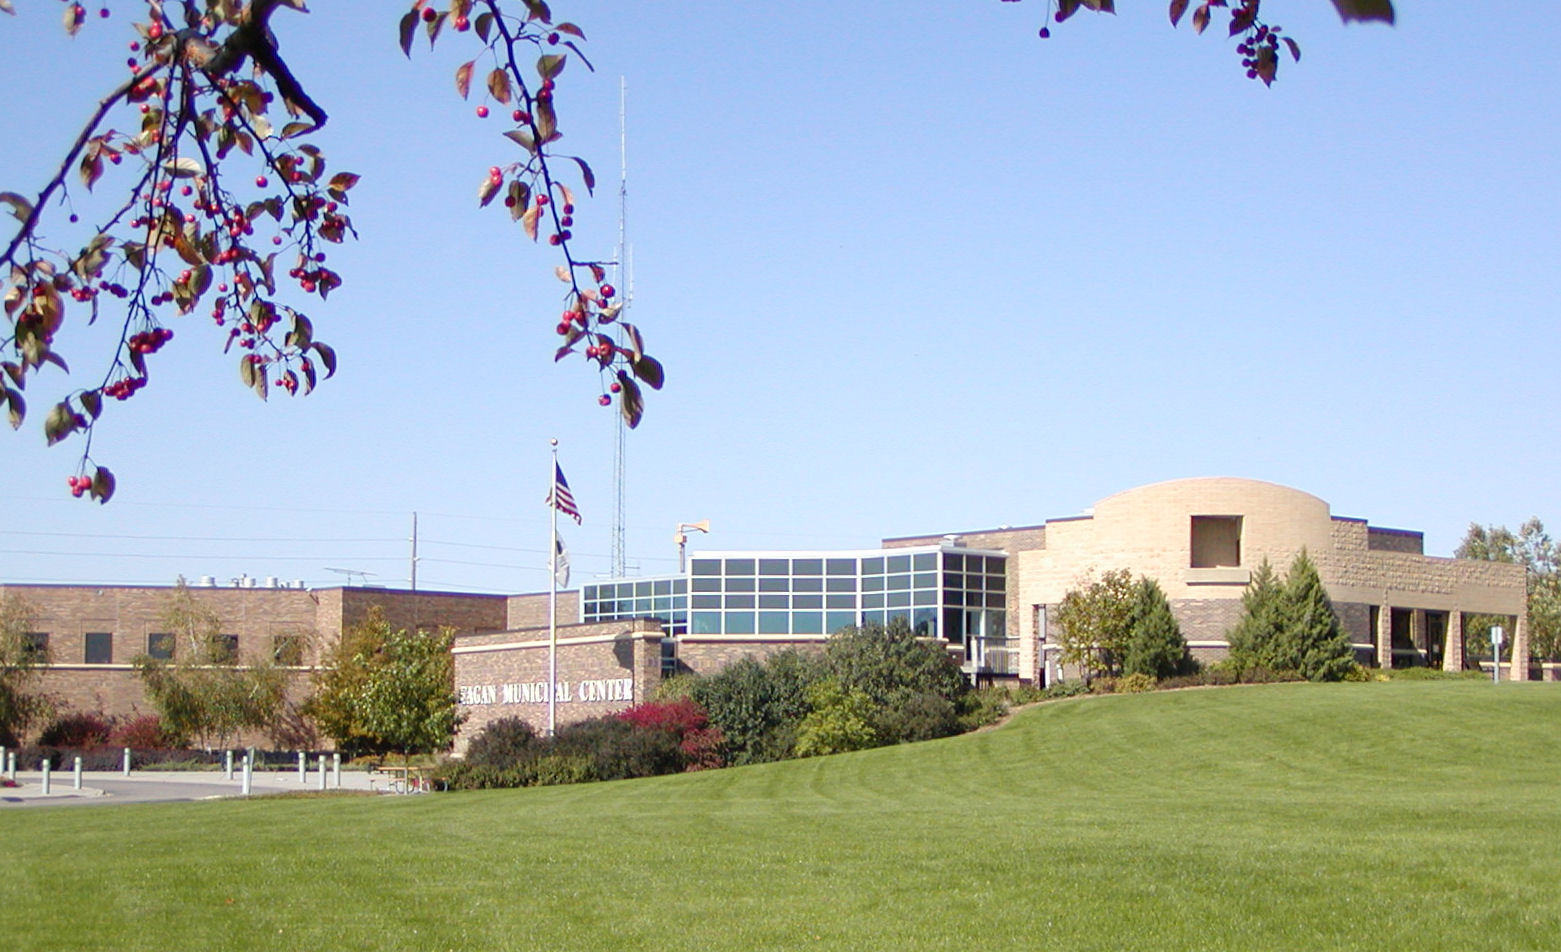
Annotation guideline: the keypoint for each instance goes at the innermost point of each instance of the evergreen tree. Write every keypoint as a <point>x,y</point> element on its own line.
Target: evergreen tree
<point>1259,626</point>
<point>1314,640</point>
<point>1154,642</point>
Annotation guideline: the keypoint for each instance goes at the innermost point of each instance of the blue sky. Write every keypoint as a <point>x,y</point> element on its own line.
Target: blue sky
<point>909,272</point>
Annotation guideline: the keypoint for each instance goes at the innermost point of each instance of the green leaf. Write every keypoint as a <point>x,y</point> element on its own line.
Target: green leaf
<point>498,85</point>
<point>487,190</point>
<point>547,121</point>
<point>18,408</point>
<point>483,25</point>
<point>408,31</point>
<point>246,370</point>
<point>1364,10</point>
<point>302,334</point>
<point>523,138</point>
<point>649,369</point>
<point>586,175</point>
<point>20,207</point>
<point>288,131</point>
<point>551,65</point>
<point>519,199</point>
<point>92,402</point>
<point>183,167</point>
<point>327,358</point>
<point>60,423</point>
<point>102,485</point>
<point>631,402</point>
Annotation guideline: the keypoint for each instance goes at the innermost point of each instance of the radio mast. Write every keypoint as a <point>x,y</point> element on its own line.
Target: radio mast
<point>623,276</point>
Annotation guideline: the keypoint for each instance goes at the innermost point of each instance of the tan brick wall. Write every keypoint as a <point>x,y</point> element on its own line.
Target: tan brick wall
<point>1148,531</point>
<point>530,610</point>
<point>706,656</point>
<point>593,654</point>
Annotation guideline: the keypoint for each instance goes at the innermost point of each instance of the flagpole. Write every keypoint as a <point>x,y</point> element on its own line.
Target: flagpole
<point>552,597</point>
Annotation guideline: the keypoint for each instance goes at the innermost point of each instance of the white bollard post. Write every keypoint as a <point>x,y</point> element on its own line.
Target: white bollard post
<point>303,766</point>
<point>227,763</point>
<point>336,770</point>
<point>322,771</point>
<point>248,772</point>
<point>10,765</point>
<point>46,776</point>
<point>75,780</point>
<point>127,761</point>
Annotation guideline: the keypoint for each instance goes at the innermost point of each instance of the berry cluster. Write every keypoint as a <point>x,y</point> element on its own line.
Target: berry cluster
<point>79,485</point>
<point>125,388</point>
<point>150,342</point>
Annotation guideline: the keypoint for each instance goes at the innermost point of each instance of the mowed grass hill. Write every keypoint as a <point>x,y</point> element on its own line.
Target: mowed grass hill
<point>1406,815</point>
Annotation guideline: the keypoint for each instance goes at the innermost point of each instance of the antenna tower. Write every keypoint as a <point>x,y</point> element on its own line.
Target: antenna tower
<point>624,278</point>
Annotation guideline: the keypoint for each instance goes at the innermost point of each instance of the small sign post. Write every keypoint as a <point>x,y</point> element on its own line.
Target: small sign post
<point>1496,635</point>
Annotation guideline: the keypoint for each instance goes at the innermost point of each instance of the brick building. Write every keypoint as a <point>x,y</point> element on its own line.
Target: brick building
<point>987,595</point>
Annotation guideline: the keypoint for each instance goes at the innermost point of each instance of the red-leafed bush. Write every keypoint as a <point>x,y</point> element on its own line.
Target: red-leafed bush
<point>144,732</point>
<point>81,729</point>
<point>701,745</point>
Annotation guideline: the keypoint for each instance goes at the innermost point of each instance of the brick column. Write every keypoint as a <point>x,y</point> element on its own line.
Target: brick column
<point>1385,636</point>
<point>1452,653</point>
<point>1520,649</point>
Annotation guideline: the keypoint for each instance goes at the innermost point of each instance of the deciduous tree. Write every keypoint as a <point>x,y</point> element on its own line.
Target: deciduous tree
<point>1532,548</point>
<point>1095,620</point>
<point>196,186</point>
<point>21,657</point>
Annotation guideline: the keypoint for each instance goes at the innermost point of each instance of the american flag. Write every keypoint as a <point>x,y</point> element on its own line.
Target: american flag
<point>561,498</point>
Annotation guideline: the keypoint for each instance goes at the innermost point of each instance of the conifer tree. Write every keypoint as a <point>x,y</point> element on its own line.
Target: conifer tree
<point>1259,624</point>
<point>1154,643</point>
<point>1314,640</point>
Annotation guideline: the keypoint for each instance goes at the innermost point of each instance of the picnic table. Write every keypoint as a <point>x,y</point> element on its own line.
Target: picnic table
<point>403,778</point>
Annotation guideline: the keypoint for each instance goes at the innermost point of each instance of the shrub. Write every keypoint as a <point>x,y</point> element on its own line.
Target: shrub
<point>617,750</point>
<point>142,732</point>
<point>1433,674</point>
<point>757,707</point>
<point>1136,683</point>
<point>923,717</point>
<point>79,729</point>
<point>1062,689</point>
<point>841,720</point>
<point>503,744</point>
<point>982,707</point>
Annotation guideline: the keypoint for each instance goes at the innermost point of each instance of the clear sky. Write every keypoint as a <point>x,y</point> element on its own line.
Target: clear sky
<point>911,269</point>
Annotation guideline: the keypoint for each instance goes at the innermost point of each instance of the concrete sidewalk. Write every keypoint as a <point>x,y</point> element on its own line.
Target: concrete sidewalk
<point>99,787</point>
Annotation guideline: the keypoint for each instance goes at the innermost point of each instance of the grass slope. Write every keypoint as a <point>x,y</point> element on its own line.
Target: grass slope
<point>1417,816</point>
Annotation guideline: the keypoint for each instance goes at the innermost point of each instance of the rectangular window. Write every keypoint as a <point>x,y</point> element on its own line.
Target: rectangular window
<point>774,584</point>
<point>899,582</point>
<point>840,601</point>
<point>774,567</point>
<point>807,623</point>
<point>807,567</point>
<point>707,601</point>
<point>739,623</point>
<point>707,623</point>
<point>706,567</point>
<point>739,585</point>
<point>899,563</point>
<point>899,599</point>
<point>873,583</point>
<point>925,580</point>
<point>872,566</point>
<point>996,583</point>
<point>739,566</point>
<point>840,567</point>
<point>739,601</point>
<point>924,622</point>
<point>807,601</point>
<point>225,648</point>
<point>834,621</point>
<point>288,650</point>
<point>100,647</point>
<point>159,646</point>
<point>1216,542</point>
<point>872,618</point>
<point>774,601</point>
<point>925,561</point>
<point>840,584</point>
<point>641,589</point>
<point>664,587</point>
<point>872,601</point>
<point>774,623</point>
<point>924,598</point>
<point>707,585</point>
<point>807,585</point>
<point>953,562</point>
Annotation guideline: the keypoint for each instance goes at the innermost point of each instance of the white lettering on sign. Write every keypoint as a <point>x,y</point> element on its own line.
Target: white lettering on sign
<point>535,692</point>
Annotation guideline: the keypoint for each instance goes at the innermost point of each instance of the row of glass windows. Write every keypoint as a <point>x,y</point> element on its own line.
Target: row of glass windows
<point>867,583</point>
<point>98,647</point>
<point>874,565</point>
<point>640,589</point>
<point>959,624</point>
<point>660,607</point>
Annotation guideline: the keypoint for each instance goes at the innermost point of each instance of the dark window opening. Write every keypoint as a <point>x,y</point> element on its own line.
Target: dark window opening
<point>1216,542</point>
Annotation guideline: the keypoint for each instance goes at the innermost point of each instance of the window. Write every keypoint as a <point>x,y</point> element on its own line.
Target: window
<point>1216,542</point>
<point>225,648</point>
<point>35,645</point>
<point>159,646</point>
<point>100,647</point>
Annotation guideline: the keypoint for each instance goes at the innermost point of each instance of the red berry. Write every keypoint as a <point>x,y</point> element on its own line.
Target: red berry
<point>552,39</point>
<point>604,400</point>
<point>519,115</point>
<point>608,290</point>
<point>260,181</point>
<point>429,15</point>
<point>615,387</point>
<point>482,112</point>
<point>1045,32</point>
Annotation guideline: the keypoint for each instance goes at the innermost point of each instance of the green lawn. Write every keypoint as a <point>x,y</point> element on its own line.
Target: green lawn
<point>1416,816</point>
